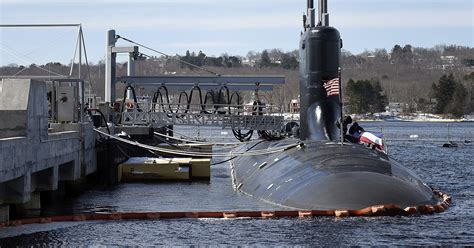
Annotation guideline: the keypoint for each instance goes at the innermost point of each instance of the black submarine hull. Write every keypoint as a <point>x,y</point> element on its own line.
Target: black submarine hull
<point>324,175</point>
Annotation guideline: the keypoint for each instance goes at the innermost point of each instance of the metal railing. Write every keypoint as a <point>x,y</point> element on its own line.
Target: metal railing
<point>254,117</point>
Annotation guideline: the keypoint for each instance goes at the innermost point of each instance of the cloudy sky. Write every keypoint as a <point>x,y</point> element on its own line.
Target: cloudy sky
<point>218,26</point>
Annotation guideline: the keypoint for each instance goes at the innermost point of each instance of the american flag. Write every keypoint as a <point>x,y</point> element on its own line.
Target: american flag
<point>332,87</point>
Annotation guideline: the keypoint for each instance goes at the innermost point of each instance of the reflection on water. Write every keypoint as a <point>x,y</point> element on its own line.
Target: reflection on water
<point>449,169</point>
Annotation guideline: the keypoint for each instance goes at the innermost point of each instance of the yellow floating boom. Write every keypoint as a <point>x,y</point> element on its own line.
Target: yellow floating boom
<point>156,169</point>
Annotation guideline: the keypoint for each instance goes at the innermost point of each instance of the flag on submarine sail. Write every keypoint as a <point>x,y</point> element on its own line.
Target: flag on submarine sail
<point>332,87</point>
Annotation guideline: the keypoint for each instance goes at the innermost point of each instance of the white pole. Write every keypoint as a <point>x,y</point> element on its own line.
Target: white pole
<point>130,72</point>
<point>110,68</point>
<point>80,52</point>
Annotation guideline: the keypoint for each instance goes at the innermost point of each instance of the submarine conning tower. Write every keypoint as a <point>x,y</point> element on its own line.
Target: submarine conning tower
<point>320,50</point>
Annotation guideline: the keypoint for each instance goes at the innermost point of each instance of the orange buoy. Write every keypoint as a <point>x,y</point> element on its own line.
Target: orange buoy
<point>229,215</point>
<point>305,213</point>
<point>411,210</point>
<point>378,210</point>
<point>267,214</point>
<point>341,213</point>
<point>152,215</point>
<point>439,208</point>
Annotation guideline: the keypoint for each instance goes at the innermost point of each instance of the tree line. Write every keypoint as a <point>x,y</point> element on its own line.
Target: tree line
<point>403,74</point>
<point>267,58</point>
<point>448,96</point>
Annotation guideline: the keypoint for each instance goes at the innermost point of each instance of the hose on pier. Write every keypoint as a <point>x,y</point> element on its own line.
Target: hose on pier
<point>90,110</point>
<point>198,143</point>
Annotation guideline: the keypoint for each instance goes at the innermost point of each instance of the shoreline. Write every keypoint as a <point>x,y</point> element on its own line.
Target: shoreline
<point>419,120</point>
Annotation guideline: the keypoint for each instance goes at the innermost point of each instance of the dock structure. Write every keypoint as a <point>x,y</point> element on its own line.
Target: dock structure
<point>36,155</point>
<point>51,133</point>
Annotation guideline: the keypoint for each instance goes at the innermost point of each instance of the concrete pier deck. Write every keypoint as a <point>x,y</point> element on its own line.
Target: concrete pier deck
<point>34,154</point>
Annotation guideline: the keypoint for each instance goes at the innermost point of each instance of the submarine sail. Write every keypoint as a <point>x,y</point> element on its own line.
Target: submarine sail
<point>321,173</point>
<point>320,52</point>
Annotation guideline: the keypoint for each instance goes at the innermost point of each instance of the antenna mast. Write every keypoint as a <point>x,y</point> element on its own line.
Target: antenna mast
<point>309,19</point>
<point>323,13</point>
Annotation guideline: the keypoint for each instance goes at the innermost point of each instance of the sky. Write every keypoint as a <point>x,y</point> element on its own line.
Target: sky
<point>224,26</point>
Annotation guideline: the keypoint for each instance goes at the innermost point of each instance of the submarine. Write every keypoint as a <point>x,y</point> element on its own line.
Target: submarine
<point>321,172</point>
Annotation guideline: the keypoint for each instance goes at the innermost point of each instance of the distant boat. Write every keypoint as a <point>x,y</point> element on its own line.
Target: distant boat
<point>450,144</point>
<point>395,119</point>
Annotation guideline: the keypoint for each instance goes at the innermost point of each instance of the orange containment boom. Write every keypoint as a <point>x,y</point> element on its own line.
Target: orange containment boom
<point>381,210</point>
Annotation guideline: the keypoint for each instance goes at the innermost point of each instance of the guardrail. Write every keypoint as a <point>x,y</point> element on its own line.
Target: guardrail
<point>254,117</point>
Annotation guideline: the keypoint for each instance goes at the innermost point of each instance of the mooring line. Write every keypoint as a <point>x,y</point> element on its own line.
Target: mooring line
<point>201,154</point>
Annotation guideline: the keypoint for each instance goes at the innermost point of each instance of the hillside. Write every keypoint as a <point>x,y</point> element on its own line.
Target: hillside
<point>406,73</point>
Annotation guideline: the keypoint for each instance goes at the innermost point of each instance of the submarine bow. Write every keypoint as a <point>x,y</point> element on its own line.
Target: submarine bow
<point>322,173</point>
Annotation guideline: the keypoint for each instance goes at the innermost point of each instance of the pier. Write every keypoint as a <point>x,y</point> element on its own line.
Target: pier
<point>55,132</point>
<point>35,155</point>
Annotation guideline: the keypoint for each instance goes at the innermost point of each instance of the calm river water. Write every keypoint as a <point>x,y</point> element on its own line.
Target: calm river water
<point>448,169</point>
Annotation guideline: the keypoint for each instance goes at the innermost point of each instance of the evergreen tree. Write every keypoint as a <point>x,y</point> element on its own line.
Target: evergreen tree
<point>407,49</point>
<point>186,58</point>
<point>407,54</point>
<point>355,99</point>
<point>469,82</point>
<point>397,53</point>
<point>289,61</point>
<point>458,103</point>
<point>365,96</point>
<point>201,58</point>
<point>443,92</point>
<point>235,61</point>
<point>381,100</point>
<point>265,60</point>
<point>451,96</point>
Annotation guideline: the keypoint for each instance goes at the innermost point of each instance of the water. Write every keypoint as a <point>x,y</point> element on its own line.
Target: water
<point>448,169</point>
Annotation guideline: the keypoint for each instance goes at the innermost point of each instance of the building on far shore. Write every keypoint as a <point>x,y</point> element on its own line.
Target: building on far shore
<point>294,106</point>
<point>396,107</point>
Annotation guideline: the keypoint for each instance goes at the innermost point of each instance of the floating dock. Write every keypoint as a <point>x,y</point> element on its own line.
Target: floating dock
<point>157,169</point>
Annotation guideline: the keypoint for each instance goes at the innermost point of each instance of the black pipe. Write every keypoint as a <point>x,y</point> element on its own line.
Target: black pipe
<point>210,95</point>
<point>89,111</point>
<point>324,6</point>
<point>203,110</point>
<point>310,4</point>
<point>236,94</point>
<point>159,96</point>
<point>221,101</point>
<point>125,96</point>
<point>179,99</point>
